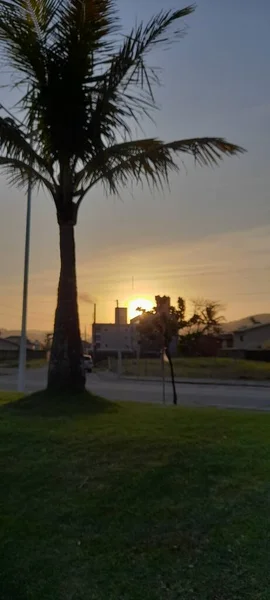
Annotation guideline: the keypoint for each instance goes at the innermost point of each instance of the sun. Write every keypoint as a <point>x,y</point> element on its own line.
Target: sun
<point>144,303</point>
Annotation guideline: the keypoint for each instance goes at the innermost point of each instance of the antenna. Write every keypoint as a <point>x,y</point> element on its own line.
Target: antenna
<point>95,313</point>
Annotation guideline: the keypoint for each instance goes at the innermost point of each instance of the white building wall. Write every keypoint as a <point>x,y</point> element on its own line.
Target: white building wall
<point>6,345</point>
<point>258,337</point>
<point>113,338</point>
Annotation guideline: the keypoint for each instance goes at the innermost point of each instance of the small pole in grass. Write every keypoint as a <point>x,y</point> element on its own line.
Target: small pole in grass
<point>23,341</point>
<point>138,360</point>
<point>119,363</point>
<point>163,376</point>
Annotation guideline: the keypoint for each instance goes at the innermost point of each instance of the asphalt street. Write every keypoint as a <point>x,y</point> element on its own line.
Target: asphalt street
<point>195,394</point>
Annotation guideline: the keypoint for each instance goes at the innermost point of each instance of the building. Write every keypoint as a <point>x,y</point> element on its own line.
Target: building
<point>252,338</point>
<point>163,304</point>
<point>120,316</point>
<point>226,340</point>
<point>8,350</point>
<point>16,339</point>
<point>110,338</point>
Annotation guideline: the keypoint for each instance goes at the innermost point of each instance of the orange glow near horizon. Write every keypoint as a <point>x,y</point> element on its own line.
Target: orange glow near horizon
<point>144,303</point>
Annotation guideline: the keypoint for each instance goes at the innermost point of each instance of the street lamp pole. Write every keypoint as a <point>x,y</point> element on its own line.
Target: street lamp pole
<point>23,343</point>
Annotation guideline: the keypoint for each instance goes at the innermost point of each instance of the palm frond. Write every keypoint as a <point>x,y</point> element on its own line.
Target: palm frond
<point>20,173</point>
<point>150,160</point>
<point>14,145</point>
<point>207,151</point>
<point>80,93</point>
<point>128,70</point>
<point>53,43</point>
<point>20,41</point>
<point>44,13</point>
<point>86,22</point>
<point>13,140</point>
<point>43,9</point>
<point>128,65</point>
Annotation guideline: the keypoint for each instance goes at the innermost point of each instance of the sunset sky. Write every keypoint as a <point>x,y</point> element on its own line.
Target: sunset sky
<point>210,235</point>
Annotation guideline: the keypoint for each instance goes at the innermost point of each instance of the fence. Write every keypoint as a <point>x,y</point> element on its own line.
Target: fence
<point>6,355</point>
<point>36,354</point>
<point>133,367</point>
<point>193,367</point>
<point>257,355</point>
<point>13,355</point>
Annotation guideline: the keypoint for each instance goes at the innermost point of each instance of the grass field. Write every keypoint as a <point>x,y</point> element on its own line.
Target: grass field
<point>122,502</point>
<point>198,368</point>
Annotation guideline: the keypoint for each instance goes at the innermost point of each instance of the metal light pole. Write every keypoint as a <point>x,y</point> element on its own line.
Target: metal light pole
<point>22,355</point>
<point>23,343</point>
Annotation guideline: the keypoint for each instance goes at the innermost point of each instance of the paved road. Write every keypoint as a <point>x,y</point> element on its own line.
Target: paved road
<point>222,396</point>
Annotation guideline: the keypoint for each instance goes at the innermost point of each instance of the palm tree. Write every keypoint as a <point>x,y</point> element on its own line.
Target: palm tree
<point>82,89</point>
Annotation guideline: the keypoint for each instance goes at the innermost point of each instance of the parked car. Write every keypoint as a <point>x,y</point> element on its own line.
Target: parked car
<point>88,363</point>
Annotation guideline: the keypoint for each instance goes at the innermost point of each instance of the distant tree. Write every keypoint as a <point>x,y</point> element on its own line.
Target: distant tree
<point>188,342</point>
<point>207,318</point>
<point>181,311</point>
<point>165,322</point>
<point>162,325</point>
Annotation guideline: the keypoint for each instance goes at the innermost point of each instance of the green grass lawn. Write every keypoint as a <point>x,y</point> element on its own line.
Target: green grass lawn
<point>198,368</point>
<point>105,501</point>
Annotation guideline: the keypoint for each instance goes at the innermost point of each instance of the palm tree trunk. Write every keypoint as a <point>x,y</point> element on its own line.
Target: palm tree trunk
<point>66,369</point>
<point>168,354</point>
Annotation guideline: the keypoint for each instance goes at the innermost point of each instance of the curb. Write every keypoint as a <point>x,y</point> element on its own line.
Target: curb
<point>209,382</point>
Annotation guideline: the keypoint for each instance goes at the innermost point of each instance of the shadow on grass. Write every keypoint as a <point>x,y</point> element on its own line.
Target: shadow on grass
<point>46,404</point>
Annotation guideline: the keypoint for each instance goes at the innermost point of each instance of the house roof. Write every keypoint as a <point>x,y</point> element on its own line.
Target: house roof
<point>8,343</point>
<point>244,329</point>
<point>16,340</point>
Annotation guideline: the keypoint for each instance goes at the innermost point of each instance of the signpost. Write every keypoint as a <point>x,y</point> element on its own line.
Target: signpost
<point>163,376</point>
